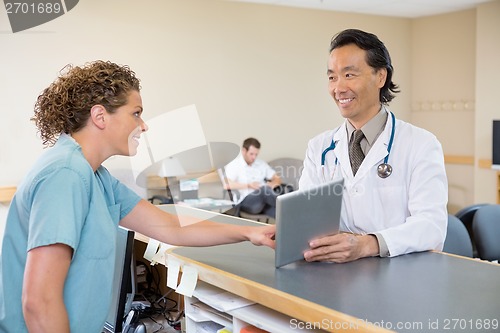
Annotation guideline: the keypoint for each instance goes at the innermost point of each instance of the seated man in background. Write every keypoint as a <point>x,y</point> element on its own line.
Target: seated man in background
<point>254,180</point>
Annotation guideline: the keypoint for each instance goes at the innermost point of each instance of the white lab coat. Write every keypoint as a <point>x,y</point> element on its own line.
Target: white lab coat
<point>409,207</point>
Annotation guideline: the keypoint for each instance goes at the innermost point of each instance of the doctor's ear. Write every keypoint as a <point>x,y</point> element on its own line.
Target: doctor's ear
<point>382,77</point>
<point>98,116</point>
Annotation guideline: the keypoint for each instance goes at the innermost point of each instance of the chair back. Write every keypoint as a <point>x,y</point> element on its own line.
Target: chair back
<point>289,170</point>
<point>466,215</point>
<point>225,186</point>
<point>486,227</point>
<point>457,238</point>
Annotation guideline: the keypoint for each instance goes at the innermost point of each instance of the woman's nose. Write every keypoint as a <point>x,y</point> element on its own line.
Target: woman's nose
<point>144,126</point>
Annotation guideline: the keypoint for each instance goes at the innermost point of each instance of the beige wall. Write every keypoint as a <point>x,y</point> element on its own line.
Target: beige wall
<point>487,93</point>
<point>454,72</point>
<point>252,70</point>
<point>443,94</point>
<point>259,70</point>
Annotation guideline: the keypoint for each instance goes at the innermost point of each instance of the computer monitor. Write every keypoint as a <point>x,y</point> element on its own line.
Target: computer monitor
<point>123,282</point>
<point>189,188</point>
<point>496,145</point>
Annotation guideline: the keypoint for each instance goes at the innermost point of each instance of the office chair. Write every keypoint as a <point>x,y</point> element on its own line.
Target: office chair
<point>466,215</point>
<point>160,200</point>
<point>457,238</point>
<point>289,170</point>
<point>236,210</point>
<point>486,227</point>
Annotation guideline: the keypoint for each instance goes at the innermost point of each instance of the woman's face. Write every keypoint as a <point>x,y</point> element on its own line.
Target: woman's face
<point>126,126</point>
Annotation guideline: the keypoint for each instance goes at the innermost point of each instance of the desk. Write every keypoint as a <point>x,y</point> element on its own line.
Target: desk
<point>423,292</point>
<point>6,194</point>
<point>184,210</point>
<point>218,205</point>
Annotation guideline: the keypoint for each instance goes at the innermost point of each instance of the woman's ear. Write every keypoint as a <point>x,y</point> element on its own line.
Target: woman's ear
<point>98,116</point>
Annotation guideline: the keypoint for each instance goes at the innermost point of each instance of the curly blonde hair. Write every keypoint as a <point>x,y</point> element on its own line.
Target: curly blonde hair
<point>64,107</point>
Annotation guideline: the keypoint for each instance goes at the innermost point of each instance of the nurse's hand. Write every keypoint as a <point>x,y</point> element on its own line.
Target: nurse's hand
<point>342,247</point>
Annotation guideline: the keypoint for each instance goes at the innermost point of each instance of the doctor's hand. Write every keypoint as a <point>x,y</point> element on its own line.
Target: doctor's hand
<point>343,247</point>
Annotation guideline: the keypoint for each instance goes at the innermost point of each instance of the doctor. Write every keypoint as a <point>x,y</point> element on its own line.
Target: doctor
<point>395,192</point>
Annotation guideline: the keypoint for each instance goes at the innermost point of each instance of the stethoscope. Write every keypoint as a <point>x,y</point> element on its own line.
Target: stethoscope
<point>384,169</point>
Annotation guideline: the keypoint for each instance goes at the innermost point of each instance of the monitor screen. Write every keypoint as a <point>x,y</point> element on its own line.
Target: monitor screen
<point>496,144</point>
<point>189,189</point>
<point>123,282</point>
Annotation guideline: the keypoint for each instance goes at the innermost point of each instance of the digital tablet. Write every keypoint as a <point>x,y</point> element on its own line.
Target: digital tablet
<point>304,215</point>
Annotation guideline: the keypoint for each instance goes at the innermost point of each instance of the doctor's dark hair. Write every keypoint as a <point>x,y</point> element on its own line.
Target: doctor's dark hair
<point>377,56</point>
<point>64,106</point>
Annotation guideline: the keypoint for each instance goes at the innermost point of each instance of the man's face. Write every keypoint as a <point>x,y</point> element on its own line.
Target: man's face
<point>354,85</point>
<point>250,154</point>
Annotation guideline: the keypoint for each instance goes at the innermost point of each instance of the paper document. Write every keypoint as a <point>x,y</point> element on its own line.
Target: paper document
<point>208,327</point>
<point>173,268</point>
<point>212,314</point>
<point>160,256</point>
<point>225,301</point>
<point>188,281</point>
<point>151,249</point>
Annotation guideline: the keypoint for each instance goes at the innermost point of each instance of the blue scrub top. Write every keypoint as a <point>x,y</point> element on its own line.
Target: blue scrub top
<point>62,200</point>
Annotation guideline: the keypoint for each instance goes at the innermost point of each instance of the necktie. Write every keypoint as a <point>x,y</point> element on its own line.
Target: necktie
<point>356,155</point>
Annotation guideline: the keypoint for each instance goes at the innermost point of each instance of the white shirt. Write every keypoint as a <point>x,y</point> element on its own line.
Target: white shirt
<point>239,171</point>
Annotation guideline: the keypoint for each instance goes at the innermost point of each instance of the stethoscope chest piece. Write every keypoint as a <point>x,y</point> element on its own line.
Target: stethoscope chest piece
<point>384,170</point>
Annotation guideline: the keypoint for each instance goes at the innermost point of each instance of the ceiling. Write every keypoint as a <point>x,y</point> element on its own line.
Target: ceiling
<point>397,8</point>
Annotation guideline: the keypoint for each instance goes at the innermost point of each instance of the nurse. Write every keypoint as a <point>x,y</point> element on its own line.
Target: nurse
<point>395,192</point>
<point>61,228</point>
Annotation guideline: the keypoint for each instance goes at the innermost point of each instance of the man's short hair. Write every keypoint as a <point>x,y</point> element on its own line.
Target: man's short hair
<point>251,142</point>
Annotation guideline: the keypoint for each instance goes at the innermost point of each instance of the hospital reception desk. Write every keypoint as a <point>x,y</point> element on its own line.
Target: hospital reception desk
<point>420,292</point>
